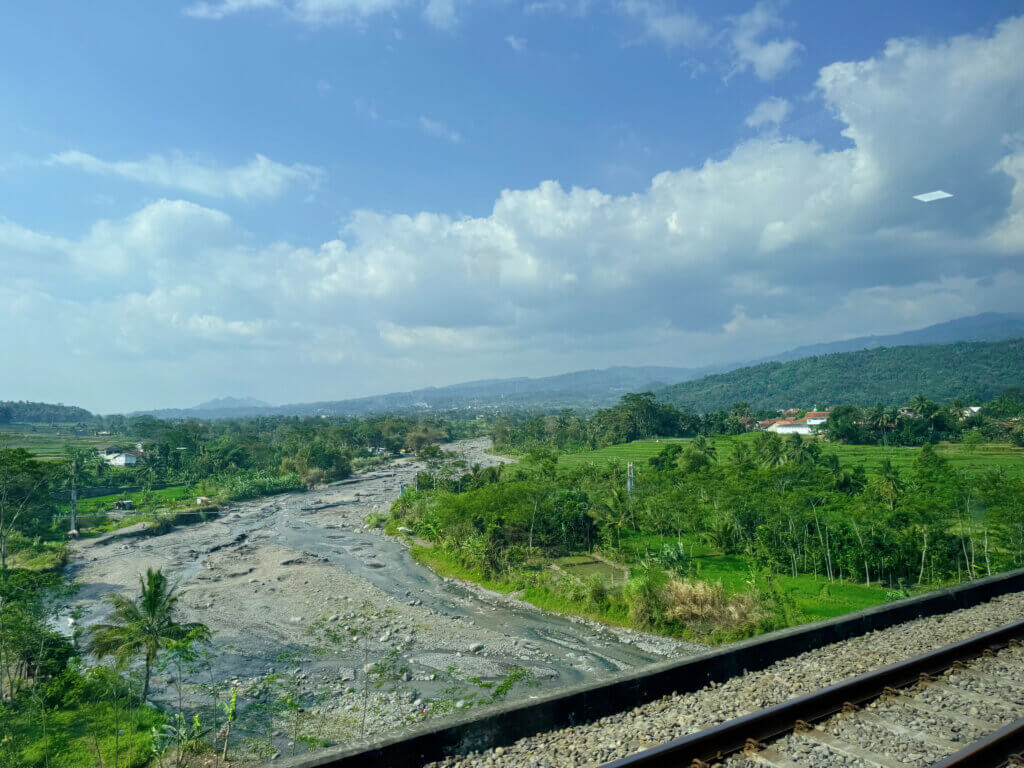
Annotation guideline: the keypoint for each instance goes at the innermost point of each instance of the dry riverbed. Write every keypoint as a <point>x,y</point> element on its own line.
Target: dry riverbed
<point>263,573</point>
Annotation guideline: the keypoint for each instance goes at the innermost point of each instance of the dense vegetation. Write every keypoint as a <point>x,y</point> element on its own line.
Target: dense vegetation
<point>641,416</point>
<point>886,375</point>
<point>41,413</point>
<point>769,517</point>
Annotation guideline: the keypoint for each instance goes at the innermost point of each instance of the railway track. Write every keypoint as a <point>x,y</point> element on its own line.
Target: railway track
<point>960,706</point>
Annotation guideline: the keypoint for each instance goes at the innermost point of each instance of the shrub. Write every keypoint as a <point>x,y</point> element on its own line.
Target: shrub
<point>645,597</point>
<point>597,591</point>
<point>704,607</point>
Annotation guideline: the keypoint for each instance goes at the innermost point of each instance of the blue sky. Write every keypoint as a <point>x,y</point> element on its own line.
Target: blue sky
<point>315,199</point>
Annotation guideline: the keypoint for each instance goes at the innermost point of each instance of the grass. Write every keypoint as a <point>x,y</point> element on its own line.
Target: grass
<point>162,497</point>
<point>70,742</point>
<point>988,456</point>
<point>46,441</point>
<point>446,566</point>
<point>39,556</point>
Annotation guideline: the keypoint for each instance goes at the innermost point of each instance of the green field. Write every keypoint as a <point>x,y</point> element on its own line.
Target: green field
<point>989,456</point>
<point>161,497</point>
<point>46,441</point>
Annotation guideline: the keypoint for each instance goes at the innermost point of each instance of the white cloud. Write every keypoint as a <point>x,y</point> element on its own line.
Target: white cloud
<point>441,14</point>
<point>571,7</point>
<point>260,178</point>
<point>770,111</point>
<point>315,13</point>
<point>670,27</point>
<point>219,10</point>
<point>777,243</point>
<point>439,130</point>
<point>517,44</point>
<point>768,58</point>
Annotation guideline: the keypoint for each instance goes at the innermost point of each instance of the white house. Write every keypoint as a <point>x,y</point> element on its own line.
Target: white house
<point>120,459</point>
<point>115,457</point>
<point>814,418</point>
<point>790,427</point>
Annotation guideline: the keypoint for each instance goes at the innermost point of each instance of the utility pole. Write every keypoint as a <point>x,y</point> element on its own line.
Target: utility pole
<point>629,478</point>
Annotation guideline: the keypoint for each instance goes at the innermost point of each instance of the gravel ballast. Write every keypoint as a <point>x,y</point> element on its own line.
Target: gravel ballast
<point>622,734</point>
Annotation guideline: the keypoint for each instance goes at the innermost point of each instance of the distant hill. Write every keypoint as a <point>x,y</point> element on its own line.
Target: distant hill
<point>228,403</point>
<point>592,388</point>
<point>889,375</point>
<point>25,412</point>
<point>988,326</point>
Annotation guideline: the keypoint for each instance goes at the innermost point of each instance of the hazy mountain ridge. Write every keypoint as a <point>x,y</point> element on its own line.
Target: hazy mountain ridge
<point>988,326</point>
<point>594,388</point>
<point>887,375</point>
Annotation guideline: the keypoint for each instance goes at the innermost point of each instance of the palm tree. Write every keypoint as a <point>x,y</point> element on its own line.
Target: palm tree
<point>874,417</point>
<point>704,447</point>
<point>79,462</point>
<point>919,403</point>
<point>889,482</point>
<point>612,512</point>
<point>141,626</point>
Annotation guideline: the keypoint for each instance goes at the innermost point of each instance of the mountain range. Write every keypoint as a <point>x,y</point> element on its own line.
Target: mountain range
<point>599,388</point>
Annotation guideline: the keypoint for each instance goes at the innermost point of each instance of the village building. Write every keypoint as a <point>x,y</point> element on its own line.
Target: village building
<point>791,427</point>
<point>115,457</point>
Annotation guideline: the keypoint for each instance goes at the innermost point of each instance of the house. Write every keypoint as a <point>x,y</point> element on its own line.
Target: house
<point>120,459</point>
<point>790,412</point>
<point>814,418</point>
<point>971,410</point>
<point>115,457</point>
<point>791,427</point>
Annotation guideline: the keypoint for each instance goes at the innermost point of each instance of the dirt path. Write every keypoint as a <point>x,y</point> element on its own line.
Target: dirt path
<point>259,574</point>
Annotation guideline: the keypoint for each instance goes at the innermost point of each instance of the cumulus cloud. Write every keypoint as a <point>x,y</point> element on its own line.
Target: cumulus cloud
<point>668,26</point>
<point>777,243</point>
<point>260,178</point>
<point>768,58</point>
<point>441,14</point>
<point>771,111</point>
<point>439,130</point>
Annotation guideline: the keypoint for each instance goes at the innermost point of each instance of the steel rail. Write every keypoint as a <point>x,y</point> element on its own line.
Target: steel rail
<point>1000,748</point>
<point>750,730</point>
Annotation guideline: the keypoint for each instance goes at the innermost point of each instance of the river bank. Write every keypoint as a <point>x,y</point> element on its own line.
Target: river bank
<point>265,572</point>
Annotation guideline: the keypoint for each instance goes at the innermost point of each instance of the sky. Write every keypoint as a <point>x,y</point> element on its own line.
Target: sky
<point>302,200</point>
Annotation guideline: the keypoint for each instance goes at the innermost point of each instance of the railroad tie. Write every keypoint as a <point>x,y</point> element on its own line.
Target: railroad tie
<point>770,757</point>
<point>843,747</point>
<point>972,696</point>
<point>949,714</point>
<point>901,730</point>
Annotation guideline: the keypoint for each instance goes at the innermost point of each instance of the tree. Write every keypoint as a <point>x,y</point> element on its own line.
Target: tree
<point>142,626</point>
<point>666,458</point>
<point>78,462</point>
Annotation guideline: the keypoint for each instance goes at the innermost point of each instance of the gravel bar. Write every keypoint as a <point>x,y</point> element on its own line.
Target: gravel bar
<point>671,717</point>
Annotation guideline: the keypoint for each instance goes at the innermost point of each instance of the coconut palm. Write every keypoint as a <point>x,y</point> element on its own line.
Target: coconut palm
<point>141,626</point>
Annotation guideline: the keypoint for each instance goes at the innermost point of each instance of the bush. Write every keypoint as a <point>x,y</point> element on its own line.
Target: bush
<point>645,598</point>
<point>704,607</point>
<point>597,591</point>
<point>674,558</point>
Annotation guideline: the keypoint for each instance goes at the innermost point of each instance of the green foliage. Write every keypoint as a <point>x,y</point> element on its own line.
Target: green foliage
<point>143,626</point>
<point>887,375</point>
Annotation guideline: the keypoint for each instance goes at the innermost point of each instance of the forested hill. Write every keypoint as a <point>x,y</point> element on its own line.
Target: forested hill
<point>888,375</point>
<point>40,413</point>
